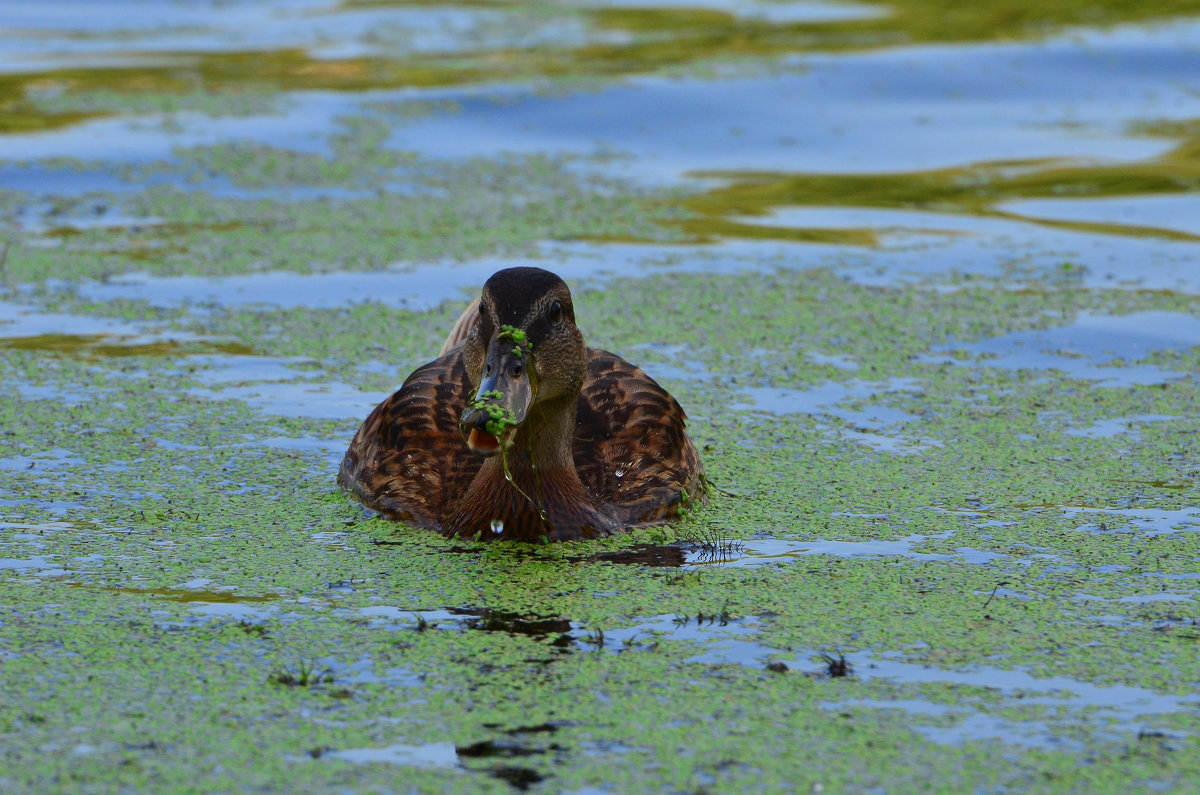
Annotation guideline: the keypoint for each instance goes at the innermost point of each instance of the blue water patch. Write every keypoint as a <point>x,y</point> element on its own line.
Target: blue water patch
<point>1101,348</point>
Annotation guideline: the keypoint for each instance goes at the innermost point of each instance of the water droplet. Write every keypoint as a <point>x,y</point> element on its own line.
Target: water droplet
<point>620,473</point>
<point>497,526</point>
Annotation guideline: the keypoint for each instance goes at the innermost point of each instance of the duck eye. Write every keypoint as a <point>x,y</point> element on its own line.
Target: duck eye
<point>555,312</point>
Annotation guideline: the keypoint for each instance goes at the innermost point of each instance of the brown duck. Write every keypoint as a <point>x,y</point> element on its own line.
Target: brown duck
<point>520,431</point>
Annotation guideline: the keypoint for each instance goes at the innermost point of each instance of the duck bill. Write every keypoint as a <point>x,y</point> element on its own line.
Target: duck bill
<point>500,405</point>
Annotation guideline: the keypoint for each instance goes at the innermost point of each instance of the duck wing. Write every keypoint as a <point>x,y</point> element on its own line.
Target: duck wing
<point>408,459</point>
<point>631,446</point>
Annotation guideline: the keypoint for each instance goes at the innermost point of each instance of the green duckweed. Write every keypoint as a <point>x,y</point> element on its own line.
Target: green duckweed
<point>501,420</point>
<point>517,337</point>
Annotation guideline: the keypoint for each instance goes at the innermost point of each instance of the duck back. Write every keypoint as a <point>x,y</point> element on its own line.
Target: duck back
<point>632,453</point>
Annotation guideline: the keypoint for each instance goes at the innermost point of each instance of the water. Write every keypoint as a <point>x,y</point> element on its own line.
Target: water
<point>1093,347</point>
<point>886,257</point>
<point>427,755</point>
<point>942,107</point>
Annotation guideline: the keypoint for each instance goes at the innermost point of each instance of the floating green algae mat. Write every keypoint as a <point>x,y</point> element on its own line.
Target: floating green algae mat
<point>457,210</point>
<point>542,655</point>
<point>954,543</point>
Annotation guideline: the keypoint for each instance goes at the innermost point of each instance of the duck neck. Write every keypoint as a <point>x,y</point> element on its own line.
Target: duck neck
<point>531,491</point>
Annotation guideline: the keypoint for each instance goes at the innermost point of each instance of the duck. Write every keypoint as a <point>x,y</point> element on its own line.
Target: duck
<point>520,431</point>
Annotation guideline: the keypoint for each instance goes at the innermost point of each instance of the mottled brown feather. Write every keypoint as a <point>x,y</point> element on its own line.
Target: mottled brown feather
<point>408,459</point>
<point>631,450</point>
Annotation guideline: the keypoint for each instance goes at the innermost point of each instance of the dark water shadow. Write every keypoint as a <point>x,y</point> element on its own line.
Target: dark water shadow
<point>553,628</point>
<point>652,555</point>
<point>517,743</point>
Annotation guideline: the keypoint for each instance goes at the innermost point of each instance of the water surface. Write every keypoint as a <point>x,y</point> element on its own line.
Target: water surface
<point>922,275</point>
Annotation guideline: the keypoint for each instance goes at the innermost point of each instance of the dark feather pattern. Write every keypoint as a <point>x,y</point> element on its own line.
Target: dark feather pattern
<point>595,445</point>
<point>408,460</point>
<point>631,450</point>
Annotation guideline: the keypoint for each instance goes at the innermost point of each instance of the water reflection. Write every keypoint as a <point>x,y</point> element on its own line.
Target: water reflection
<point>422,755</point>
<point>765,551</point>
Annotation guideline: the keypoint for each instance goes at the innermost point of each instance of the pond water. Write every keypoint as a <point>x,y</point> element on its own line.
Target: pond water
<point>923,275</point>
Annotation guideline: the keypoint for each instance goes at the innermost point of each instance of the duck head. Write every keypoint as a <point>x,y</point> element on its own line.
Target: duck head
<point>525,357</point>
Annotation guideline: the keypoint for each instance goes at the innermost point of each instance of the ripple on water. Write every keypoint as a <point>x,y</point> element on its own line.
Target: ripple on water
<point>1092,348</point>
<point>1115,426</point>
<point>364,671</point>
<point>321,399</point>
<point>825,398</point>
<point>1110,710</point>
<point>425,755</point>
<point>43,459</point>
<point>1150,521</point>
<point>719,639</point>
<point>835,109</point>
<point>25,327</point>
<point>44,220</point>
<point>766,551</point>
<point>1145,598</point>
<point>916,247</point>
<point>38,563</point>
<point>303,124</point>
<point>214,370</point>
<point>418,288</point>
<point>794,11</point>
<point>76,34</point>
<point>19,320</point>
<point>871,425</point>
<point>723,640</point>
<point>1178,213</point>
<point>421,286</point>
